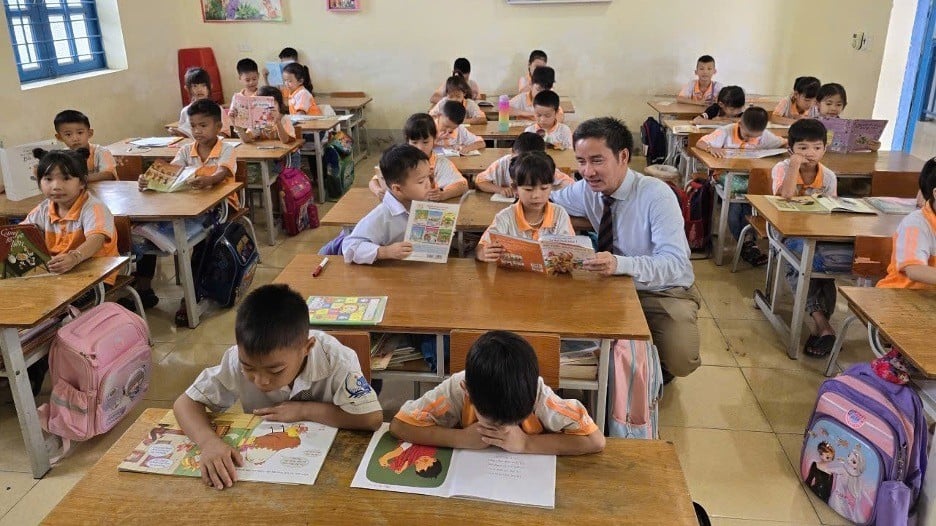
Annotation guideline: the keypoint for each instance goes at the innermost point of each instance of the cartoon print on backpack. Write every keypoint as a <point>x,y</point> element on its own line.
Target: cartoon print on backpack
<point>820,479</point>
<point>848,485</point>
<point>848,497</point>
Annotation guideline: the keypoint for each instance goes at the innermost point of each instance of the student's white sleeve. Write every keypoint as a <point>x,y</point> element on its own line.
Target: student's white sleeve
<point>446,174</point>
<point>362,244</point>
<point>563,222</point>
<point>560,415</point>
<point>181,157</point>
<point>352,392</point>
<point>770,141</point>
<point>716,139</point>
<point>216,387</point>
<point>474,110</point>
<point>437,109</point>
<point>911,246</point>
<point>465,137</point>
<point>572,198</point>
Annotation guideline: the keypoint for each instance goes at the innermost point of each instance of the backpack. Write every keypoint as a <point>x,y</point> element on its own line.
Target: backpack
<point>873,436</point>
<point>699,223</point>
<point>227,264</point>
<point>683,199</point>
<point>337,157</point>
<point>100,366</point>
<point>635,386</point>
<point>654,138</point>
<point>296,201</point>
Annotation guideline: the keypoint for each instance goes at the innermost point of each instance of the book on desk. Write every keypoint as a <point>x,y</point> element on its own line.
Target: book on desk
<point>821,204</point>
<point>552,254</point>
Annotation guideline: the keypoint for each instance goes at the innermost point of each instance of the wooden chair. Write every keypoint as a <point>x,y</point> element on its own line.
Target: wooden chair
<point>759,183</point>
<point>359,342</point>
<point>895,184</point>
<point>129,168</point>
<point>123,286</point>
<point>545,345</point>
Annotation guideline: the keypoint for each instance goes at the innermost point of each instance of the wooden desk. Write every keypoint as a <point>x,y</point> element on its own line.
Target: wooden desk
<point>647,480</point>
<point>490,131</point>
<point>465,294</point>
<point>472,165</point>
<point>355,107</point>
<point>348,104</point>
<point>681,110</point>
<point>812,228</point>
<point>861,164</point>
<point>21,208</point>
<point>565,103</point>
<point>27,303</point>
<point>672,124</point>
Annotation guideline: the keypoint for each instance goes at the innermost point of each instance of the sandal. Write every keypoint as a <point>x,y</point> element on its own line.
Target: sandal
<point>821,346</point>
<point>753,255</point>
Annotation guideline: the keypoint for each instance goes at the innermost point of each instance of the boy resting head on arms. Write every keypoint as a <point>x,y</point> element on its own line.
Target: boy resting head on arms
<point>74,129</point>
<point>279,370</point>
<point>499,400</point>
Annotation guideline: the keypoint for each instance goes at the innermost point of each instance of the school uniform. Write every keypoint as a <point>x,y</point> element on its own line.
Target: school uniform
<point>914,244</point>
<point>512,222</point>
<point>729,136</point>
<point>787,108</point>
<point>185,123</point>
<point>460,136</point>
<point>222,154</point>
<point>824,183</point>
<point>444,172</point>
<point>447,405</point>
<point>331,374</point>
<point>524,102</point>
<point>559,136</point>
<point>101,160</point>
<point>472,110</point>
<point>302,100</point>
<point>711,112</point>
<point>525,82</point>
<point>382,226</point>
<point>269,133</point>
<point>693,91</point>
<point>499,173</point>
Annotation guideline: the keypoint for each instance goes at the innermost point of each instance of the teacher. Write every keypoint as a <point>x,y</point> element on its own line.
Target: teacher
<point>640,234</point>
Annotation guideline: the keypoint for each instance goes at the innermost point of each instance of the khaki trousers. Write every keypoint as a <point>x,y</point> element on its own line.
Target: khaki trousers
<point>672,315</point>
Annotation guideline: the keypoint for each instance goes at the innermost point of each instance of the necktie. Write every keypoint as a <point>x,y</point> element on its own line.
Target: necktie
<point>606,227</point>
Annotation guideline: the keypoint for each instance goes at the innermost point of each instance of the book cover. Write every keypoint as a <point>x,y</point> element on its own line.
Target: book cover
<point>519,253</point>
<point>853,135</point>
<point>563,254</point>
<point>164,177</point>
<point>893,205</point>
<point>430,228</point>
<point>282,453</point>
<point>275,73</point>
<point>346,310</point>
<point>23,252</point>
<point>254,112</point>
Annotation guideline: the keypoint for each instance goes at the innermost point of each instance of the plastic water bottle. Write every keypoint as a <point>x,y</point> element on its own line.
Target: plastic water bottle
<point>503,114</point>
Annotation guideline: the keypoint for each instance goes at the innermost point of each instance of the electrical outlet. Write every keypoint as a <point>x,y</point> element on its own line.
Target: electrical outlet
<point>859,41</point>
<point>244,47</point>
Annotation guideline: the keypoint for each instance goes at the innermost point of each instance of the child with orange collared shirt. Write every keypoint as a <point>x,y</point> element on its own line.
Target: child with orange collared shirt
<point>523,105</point>
<point>702,91</point>
<point>913,260</point>
<point>451,132</point>
<point>457,89</point>
<point>298,86</point>
<point>801,104</point>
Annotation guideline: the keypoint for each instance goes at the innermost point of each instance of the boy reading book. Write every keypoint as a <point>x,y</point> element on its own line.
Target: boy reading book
<point>279,370</point>
<point>499,400</point>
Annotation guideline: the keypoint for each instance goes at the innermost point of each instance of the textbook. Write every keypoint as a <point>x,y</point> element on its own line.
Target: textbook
<point>254,113</point>
<point>500,198</point>
<point>820,204</point>
<point>346,310</point>
<point>893,205</point>
<point>164,177</point>
<point>491,474</point>
<point>155,142</point>
<point>274,452</point>
<point>578,359</point>
<point>845,204</point>
<point>430,228</point>
<point>275,73</point>
<point>853,135</point>
<point>750,153</point>
<point>452,152</point>
<point>552,254</point>
<point>23,252</point>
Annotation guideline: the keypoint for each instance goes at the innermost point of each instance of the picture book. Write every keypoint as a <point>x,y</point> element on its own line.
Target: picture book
<point>893,205</point>
<point>254,113</point>
<point>18,168</point>
<point>346,310</point>
<point>275,73</point>
<point>552,254</point>
<point>821,204</point>
<point>23,252</point>
<point>452,152</point>
<point>519,253</point>
<point>491,474</point>
<point>749,153</point>
<point>797,204</point>
<point>155,142</point>
<point>164,177</point>
<point>430,228</point>
<point>274,452</point>
<point>853,135</point>
<point>845,204</point>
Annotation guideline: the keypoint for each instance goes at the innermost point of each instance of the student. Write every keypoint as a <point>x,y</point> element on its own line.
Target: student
<point>703,90</point>
<point>801,104</point>
<point>749,133</point>
<point>445,180</point>
<point>499,400</point>
<point>496,179</point>
<point>537,59</point>
<point>803,174</point>
<point>451,133</point>
<point>913,260</point>
<point>279,370</point>
<point>198,84</point>
<point>299,90</point>
<point>74,129</point>
<point>379,235</point>
<point>287,55</point>
<point>830,103</point>
<point>457,89</point>
<point>282,130</point>
<point>249,76</point>
<point>462,68</point>
<point>728,107</point>
<point>546,111</point>
<point>532,182</point>
<point>521,105</point>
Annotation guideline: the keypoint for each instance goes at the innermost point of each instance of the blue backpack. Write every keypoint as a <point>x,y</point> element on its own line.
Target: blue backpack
<point>654,138</point>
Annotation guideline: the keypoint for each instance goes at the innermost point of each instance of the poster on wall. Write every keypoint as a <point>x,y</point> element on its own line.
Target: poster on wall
<point>343,6</point>
<point>242,10</point>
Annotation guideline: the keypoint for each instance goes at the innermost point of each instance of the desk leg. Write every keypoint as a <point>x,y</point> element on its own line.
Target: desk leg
<point>268,199</point>
<point>184,254</point>
<point>723,219</point>
<point>791,333</point>
<point>604,361</point>
<point>23,401</point>
<point>319,166</point>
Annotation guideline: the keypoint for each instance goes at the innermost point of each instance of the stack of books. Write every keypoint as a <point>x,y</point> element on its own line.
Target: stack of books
<point>393,350</point>
<point>578,359</point>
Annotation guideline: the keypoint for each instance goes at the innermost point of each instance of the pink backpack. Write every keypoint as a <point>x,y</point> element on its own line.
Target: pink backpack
<point>634,390</point>
<point>296,201</point>
<point>100,368</point>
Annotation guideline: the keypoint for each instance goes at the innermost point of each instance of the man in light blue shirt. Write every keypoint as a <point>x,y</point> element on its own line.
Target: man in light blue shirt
<point>642,236</point>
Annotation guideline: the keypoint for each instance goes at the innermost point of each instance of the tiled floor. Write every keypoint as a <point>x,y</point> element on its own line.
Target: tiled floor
<point>736,422</point>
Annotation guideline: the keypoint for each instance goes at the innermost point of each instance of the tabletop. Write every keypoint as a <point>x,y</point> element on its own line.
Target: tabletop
<point>830,227</point>
<point>490,131</point>
<point>19,208</point>
<point>565,102</point>
<point>901,315</point>
<point>255,151</point>
<point>475,164</point>
<point>28,301</point>
<point>689,111</point>
<point>630,482</point>
<point>124,198</point>
<point>858,163</point>
<point>343,103</point>
<point>779,131</point>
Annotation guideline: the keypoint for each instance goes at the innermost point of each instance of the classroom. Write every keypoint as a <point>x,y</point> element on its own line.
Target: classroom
<point>708,359</point>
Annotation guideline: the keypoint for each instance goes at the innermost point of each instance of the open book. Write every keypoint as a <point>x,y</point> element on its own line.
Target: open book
<point>164,177</point>
<point>750,153</point>
<point>273,452</point>
<point>853,135</point>
<point>492,474</point>
<point>155,142</point>
<point>820,204</point>
<point>275,73</point>
<point>430,229</point>
<point>893,205</point>
<point>346,310</point>
<point>452,152</point>
<point>552,254</point>
<point>23,252</point>
<point>845,204</point>
<point>252,112</point>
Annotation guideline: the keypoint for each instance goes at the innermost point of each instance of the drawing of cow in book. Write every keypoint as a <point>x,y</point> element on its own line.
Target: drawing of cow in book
<point>258,449</point>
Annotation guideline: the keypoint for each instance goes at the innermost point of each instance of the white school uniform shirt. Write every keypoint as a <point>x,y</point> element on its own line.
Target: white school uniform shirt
<point>331,374</point>
<point>559,136</point>
<point>512,222</point>
<point>786,108</point>
<point>444,172</point>
<point>184,123</point>
<point>824,183</point>
<point>649,235</point>
<point>692,91</point>
<point>472,110</point>
<point>499,173</point>
<point>729,136</point>
<point>382,226</point>
<point>101,159</point>
<point>460,136</point>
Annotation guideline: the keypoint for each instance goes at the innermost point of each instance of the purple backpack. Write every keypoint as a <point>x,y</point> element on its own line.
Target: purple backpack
<point>864,450</point>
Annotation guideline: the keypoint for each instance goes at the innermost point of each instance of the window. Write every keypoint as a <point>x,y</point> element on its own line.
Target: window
<point>52,38</point>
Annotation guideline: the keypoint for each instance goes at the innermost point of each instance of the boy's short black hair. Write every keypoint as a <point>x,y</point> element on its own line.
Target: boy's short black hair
<point>807,130</point>
<point>831,89</point>
<point>537,54</point>
<point>755,119</point>
<point>532,169</point>
<point>547,98</point>
<point>458,83</point>
<point>461,66</point>
<point>247,65</point>
<point>705,59</point>
<point>502,377</point>
<point>73,163</point>
<point>70,117</point>
<point>612,130</point>
<point>195,76</point>
<point>271,317</point>
<point>420,126</point>
<point>205,107</point>
<point>544,77</point>
<point>529,142</point>
<point>731,96</point>
<point>398,161</point>
<point>289,52</point>
<point>928,180</point>
<point>455,111</point>
<point>807,86</point>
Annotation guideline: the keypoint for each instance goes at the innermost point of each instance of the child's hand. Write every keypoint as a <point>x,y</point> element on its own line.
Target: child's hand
<point>509,438</point>
<point>490,253</point>
<point>63,262</point>
<point>401,250</point>
<point>874,145</point>
<point>472,437</point>
<point>508,191</point>
<point>717,153</point>
<point>218,463</point>
<point>796,160</point>
<point>282,412</point>
<point>603,263</point>
<point>434,195</point>
<point>199,183</point>
<point>142,183</point>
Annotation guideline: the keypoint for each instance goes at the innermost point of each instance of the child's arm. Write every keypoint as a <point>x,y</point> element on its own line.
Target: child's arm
<point>514,440</point>
<point>101,176</point>
<point>66,261</point>
<point>706,147</point>
<point>921,273</point>
<point>788,187</point>
<point>455,189</point>
<point>245,134</point>
<point>323,413</point>
<point>468,438</point>
<point>377,185</point>
<point>218,460</point>
<point>477,145</point>
<point>779,119</point>
<point>105,166</point>
<point>477,119</point>
<point>491,188</point>
<point>222,173</point>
